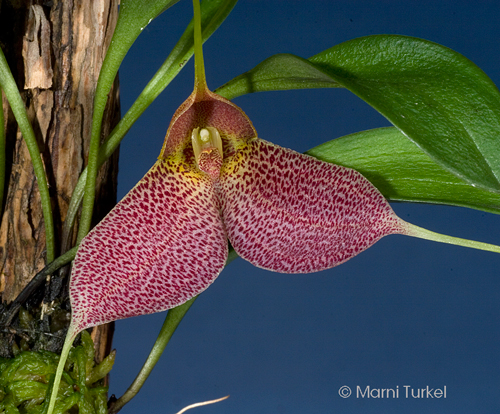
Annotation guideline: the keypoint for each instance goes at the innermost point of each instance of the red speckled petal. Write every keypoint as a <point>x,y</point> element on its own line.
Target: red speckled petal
<point>291,213</point>
<point>163,244</point>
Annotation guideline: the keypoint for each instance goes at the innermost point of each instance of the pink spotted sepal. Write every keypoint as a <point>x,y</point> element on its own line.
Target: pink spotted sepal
<point>163,244</point>
<point>290,213</point>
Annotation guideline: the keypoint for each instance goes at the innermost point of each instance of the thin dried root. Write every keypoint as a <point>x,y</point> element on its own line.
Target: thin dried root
<point>201,403</point>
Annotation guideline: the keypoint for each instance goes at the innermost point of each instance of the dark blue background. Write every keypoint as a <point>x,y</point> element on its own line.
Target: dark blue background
<point>405,312</point>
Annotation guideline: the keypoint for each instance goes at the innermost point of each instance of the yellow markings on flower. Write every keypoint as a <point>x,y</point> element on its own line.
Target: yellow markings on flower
<point>238,158</point>
<point>178,165</point>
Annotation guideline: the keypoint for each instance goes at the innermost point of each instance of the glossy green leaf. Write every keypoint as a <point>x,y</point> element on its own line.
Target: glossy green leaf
<point>277,73</point>
<point>402,171</point>
<point>435,96</point>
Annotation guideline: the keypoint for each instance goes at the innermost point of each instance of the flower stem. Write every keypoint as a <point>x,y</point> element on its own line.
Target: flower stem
<point>172,320</point>
<point>200,82</point>
<point>68,342</point>
<point>422,233</point>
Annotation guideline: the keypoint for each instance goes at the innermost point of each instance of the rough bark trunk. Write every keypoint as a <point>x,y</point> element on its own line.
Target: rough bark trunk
<point>55,50</point>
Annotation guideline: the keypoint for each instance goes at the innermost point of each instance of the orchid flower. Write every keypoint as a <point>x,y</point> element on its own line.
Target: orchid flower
<point>215,181</point>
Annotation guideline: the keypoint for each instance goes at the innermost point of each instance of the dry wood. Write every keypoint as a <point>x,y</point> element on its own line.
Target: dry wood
<point>55,50</point>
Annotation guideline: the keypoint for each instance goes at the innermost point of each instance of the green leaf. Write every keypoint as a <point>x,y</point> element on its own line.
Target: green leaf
<point>438,98</point>
<point>435,96</point>
<point>403,172</point>
<point>277,73</point>
<point>134,16</point>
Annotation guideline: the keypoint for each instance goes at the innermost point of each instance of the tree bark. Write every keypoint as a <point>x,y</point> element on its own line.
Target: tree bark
<point>55,50</point>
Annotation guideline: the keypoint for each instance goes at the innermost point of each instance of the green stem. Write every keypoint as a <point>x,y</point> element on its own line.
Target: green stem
<point>74,206</point>
<point>200,82</point>
<point>172,320</point>
<point>92,164</point>
<point>422,233</point>
<point>17,105</point>
<point>68,342</point>
<point>62,260</point>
